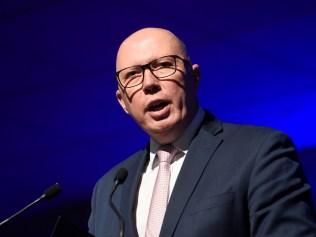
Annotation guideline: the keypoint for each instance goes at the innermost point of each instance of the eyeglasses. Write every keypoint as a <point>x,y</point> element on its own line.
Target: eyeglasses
<point>160,68</point>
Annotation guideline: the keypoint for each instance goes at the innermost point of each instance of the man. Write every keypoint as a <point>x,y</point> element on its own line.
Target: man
<point>219,179</point>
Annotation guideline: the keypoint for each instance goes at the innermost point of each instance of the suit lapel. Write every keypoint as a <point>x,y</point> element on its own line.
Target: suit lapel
<point>130,191</point>
<point>200,152</point>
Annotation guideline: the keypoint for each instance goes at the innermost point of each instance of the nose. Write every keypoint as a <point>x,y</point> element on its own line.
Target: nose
<point>151,84</point>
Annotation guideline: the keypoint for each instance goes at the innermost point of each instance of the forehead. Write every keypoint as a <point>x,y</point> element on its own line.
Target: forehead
<point>141,50</point>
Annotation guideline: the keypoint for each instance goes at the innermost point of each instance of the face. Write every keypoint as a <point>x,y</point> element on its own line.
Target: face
<point>162,107</point>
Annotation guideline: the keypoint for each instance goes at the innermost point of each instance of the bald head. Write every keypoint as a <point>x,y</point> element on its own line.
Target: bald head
<point>147,44</point>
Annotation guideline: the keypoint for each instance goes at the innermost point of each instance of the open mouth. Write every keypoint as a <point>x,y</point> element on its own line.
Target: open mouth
<point>157,105</point>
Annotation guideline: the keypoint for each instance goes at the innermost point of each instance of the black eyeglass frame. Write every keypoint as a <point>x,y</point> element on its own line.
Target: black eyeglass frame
<point>147,65</point>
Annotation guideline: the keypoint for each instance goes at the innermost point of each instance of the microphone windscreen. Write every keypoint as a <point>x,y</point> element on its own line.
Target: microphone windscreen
<point>121,175</point>
<point>52,191</point>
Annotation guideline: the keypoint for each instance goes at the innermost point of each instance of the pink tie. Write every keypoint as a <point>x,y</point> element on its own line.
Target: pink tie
<point>160,194</point>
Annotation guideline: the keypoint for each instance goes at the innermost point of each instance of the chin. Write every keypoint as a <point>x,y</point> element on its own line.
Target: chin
<point>163,131</point>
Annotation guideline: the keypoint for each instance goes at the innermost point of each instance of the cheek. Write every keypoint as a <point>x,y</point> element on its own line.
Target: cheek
<point>131,100</point>
<point>135,108</point>
<point>178,96</point>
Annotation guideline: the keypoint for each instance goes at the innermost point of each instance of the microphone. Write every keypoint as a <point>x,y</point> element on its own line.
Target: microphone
<point>49,193</point>
<point>119,178</point>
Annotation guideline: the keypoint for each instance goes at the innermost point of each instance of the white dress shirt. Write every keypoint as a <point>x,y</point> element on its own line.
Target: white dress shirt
<point>150,174</point>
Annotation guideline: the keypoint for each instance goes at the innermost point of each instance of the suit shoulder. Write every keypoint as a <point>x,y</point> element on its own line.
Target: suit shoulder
<point>254,137</point>
<point>243,132</point>
<point>252,131</point>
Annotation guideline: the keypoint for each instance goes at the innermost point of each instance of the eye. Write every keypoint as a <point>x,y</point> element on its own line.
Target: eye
<point>163,63</point>
<point>131,73</point>
<point>166,64</point>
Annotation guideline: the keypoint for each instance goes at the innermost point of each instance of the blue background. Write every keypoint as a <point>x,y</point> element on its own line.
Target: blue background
<point>60,120</point>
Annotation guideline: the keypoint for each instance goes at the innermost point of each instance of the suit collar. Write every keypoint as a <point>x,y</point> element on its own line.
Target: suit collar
<point>201,150</point>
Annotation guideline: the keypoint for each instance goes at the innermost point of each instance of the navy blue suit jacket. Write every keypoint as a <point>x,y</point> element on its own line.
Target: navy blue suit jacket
<point>235,181</point>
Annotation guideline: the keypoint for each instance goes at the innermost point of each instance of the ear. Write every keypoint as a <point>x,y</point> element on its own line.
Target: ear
<point>120,99</point>
<point>196,73</point>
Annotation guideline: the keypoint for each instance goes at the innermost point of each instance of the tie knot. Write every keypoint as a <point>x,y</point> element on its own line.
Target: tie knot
<point>166,153</point>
